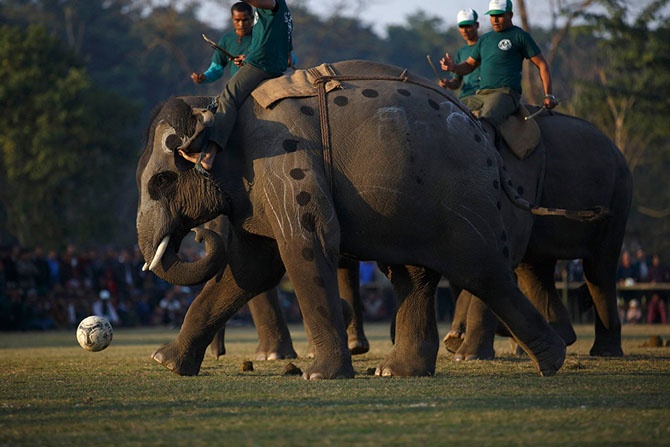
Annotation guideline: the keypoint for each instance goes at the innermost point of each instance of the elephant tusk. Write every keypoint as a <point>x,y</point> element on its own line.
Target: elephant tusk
<point>145,267</point>
<point>159,252</point>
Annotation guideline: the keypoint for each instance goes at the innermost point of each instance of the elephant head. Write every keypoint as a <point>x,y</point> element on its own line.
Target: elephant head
<point>173,198</point>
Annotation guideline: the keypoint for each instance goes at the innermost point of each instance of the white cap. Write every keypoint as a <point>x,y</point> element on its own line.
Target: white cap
<point>466,17</point>
<point>104,294</point>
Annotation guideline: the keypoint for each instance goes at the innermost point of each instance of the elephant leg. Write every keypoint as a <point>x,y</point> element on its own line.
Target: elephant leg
<point>274,338</point>
<point>348,279</point>
<point>536,281</point>
<point>416,338</point>
<point>313,272</point>
<point>454,338</point>
<point>545,346</point>
<point>480,334</point>
<point>600,280</point>
<point>205,317</point>
<point>218,345</point>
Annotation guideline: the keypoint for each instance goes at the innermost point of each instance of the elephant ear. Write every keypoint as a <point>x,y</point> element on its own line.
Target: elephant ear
<point>204,120</point>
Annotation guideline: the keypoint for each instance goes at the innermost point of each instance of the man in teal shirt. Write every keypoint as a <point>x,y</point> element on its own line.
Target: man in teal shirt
<point>500,54</point>
<point>468,26</point>
<point>235,42</point>
<point>267,58</point>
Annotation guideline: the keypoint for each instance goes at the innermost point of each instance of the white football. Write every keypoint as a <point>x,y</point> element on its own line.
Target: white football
<point>94,333</point>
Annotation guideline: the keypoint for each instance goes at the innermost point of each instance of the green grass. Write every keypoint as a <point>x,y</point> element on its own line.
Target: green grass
<point>52,393</point>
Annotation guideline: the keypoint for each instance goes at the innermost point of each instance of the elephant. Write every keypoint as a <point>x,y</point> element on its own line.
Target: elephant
<point>350,172</point>
<point>583,166</point>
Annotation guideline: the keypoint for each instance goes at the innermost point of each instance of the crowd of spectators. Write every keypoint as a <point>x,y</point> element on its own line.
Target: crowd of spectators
<point>41,291</point>
<point>645,305</point>
<point>637,274</point>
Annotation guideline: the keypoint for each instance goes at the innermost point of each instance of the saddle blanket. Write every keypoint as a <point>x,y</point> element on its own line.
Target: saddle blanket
<point>295,84</point>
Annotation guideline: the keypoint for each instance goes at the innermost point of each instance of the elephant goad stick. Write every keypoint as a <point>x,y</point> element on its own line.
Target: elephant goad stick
<point>216,47</point>
<point>430,61</point>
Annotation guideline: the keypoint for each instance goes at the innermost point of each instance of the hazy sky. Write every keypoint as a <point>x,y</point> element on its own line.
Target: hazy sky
<point>380,13</point>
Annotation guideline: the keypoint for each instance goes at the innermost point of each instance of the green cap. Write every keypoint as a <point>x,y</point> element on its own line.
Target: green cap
<point>499,7</point>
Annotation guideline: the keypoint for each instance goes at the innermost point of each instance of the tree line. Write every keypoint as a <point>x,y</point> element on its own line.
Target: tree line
<point>80,80</point>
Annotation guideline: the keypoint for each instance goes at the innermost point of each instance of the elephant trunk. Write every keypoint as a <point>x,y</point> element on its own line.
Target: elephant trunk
<point>167,265</point>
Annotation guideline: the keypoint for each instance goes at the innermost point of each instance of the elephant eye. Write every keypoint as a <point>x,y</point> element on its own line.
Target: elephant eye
<point>161,183</point>
<point>164,178</point>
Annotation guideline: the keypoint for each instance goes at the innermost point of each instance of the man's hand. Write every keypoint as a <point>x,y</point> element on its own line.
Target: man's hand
<point>549,101</point>
<point>447,63</point>
<point>239,60</point>
<point>198,78</point>
<point>453,83</point>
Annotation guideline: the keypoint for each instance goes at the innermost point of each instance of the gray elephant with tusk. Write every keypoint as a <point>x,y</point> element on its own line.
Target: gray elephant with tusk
<point>385,167</point>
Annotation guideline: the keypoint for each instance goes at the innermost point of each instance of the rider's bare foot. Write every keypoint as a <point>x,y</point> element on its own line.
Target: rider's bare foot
<point>207,160</point>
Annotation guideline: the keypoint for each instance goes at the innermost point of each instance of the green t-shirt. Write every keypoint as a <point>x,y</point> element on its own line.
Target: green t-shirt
<point>501,55</point>
<point>272,39</point>
<point>470,81</point>
<point>233,44</point>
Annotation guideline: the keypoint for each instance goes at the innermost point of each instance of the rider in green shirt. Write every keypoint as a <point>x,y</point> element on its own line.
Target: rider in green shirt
<point>468,26</point>
<point>235,42</point>
<point>268,57</point>
<point>501,53</point>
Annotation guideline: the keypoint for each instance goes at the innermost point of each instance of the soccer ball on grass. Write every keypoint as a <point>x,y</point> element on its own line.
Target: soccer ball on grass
<point>94,333</point>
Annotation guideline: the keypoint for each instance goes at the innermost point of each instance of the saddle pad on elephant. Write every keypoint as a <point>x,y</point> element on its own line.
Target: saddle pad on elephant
<point>295,84</point>
<point>521,135</point>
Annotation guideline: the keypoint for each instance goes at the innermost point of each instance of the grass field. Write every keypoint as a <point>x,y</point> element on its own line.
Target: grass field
<point>53,393</point>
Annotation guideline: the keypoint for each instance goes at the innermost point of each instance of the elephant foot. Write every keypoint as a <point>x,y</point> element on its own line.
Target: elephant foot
<point>320,370</point>
<point>606,350</point>
<point>358,346</point>
<point>169,357</point>
<point>467,352</point>
<point>548,353</point>
<point>275,348</point>
<point>402,364</point>
<point>279,354</point>
<point>607,342</point>
<point>357,341</point>
<point>453,341</point>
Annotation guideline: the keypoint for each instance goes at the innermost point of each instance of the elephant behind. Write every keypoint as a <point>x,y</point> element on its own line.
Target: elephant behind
<point>583,167</point>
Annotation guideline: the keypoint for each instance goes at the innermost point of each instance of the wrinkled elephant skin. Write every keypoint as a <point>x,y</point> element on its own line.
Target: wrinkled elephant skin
<point>410,179</point>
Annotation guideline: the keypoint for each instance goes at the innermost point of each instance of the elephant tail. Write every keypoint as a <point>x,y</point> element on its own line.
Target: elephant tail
<point>588,215</point>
